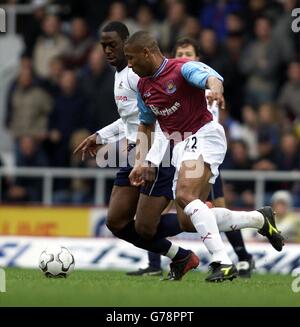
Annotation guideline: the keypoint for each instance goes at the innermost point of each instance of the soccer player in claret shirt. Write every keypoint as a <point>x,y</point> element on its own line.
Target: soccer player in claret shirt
<point>187,48</point>
<point>149,228</point>
<point>172,91</point>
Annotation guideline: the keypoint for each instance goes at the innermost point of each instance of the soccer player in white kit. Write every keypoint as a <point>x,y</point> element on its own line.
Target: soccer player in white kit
<point>148,230</point>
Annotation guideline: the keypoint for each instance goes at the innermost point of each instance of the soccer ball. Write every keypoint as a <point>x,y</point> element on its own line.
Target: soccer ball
<point>56,261</point>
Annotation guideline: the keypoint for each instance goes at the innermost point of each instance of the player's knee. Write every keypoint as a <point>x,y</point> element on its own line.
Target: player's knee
<point>187,226</point>
<point>113,224</point>
<point>144,230</point>
<point>184,196</point>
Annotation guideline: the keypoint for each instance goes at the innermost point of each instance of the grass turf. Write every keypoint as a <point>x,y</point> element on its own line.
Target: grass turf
<point>114,288</point>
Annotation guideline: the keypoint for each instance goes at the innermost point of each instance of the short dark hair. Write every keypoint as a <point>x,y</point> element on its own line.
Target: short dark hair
<point>143,39</point>
<point>118,27</point>
<point>183,42</point>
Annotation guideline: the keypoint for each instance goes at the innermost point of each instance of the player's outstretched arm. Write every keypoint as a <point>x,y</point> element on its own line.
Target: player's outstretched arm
<point>201,75</point>
<point>88,146</point>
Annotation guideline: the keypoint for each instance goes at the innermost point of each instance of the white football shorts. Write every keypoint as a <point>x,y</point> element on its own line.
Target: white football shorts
<point>209,142</point>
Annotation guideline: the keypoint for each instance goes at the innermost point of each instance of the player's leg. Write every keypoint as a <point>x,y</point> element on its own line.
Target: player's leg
<point>147,220</point>
<point>246,263</point>
<point>196,160</point>
<point>262,219</point>
<point>188,189</point>
<point>151,223</point>
<point>122,208</point>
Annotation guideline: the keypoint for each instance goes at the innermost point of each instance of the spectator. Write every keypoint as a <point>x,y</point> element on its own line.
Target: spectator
<point>81,44</point>
<point>27,189</point>
<point>288,155</point>
<point>289,98</point>
<point>249,130</point>
<point>238,159</point>
<point>97,83</point>
<point>268,117</point>
<point>234,81</point>
<point>214,15</point>
<point>173,25</point>
<point>51,84</point>
<point>146,21</point>
<point>287,221</point>
<point>31,28</point>
<point>118,12</point>
<point>48,46</point>
<point>69,114</point>
<point>282,33</point>
<point>191,28</point>
<point>259,62</point>
<point>30,107</point>
<point>211,51</point>
<point>232,127</point>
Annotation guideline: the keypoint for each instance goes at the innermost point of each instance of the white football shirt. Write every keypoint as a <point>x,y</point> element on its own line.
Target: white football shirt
<point>125,92</point>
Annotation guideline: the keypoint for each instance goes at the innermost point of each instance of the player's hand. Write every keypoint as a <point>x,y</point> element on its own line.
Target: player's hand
<point>148,175</point>
<point>135,176</point>
<point>216,96</point>
<point>88,146</point>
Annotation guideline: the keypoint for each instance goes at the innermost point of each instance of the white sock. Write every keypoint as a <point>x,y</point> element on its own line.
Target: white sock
<point>228,220</point>
<point>205,223</point>
<point>172,251</point>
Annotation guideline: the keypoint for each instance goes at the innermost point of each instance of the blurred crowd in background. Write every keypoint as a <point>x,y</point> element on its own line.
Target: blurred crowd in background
<point>64,87</point>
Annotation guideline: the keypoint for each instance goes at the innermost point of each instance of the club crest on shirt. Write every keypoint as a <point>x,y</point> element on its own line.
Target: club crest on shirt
<point>147,94</point>
<point>170,87</point>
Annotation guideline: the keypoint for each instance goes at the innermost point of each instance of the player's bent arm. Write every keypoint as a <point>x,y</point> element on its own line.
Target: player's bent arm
<point>197,74</point>
<point>111,133</point>
<point>214,84</point>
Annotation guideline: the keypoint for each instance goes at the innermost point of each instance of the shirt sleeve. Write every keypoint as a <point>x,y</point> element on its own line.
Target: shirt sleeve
<point>133,80</point>
<point>111,133</point>
<point>158,149</point>
<point>197,73</point>
<point>146,116</point>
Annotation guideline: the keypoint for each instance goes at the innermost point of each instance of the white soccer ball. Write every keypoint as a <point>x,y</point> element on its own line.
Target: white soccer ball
<point>56,261</point>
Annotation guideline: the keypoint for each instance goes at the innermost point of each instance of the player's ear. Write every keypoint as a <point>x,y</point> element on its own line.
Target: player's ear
<point>146,52</point>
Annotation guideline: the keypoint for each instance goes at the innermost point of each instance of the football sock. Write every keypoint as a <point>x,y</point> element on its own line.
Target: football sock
<point>159,246</point>
<point>205,223</point>
<point>168,226</point>
<point>236,240</point>
<point>229,220</point>
<point>154,260</point>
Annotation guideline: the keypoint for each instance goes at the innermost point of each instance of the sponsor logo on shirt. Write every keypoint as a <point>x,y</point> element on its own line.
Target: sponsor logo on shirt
<point>121,98</point>
<point>166,111</point>
<point>170,87</point>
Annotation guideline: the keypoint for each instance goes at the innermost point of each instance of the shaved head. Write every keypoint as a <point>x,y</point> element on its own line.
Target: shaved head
<point>143,53</point>
<point>143,39</point>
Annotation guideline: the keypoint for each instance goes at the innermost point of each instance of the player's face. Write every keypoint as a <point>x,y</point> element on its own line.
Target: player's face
<point>138,60</point>
<point>187,52</point>
<point>113,47</point>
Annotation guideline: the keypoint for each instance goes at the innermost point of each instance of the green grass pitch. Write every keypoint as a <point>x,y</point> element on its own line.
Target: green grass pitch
<point>114,288</point>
